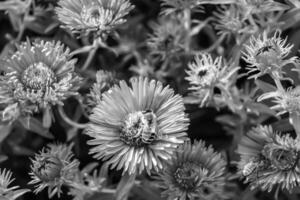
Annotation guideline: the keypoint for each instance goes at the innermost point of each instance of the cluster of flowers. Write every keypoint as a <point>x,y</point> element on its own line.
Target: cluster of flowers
<point>140,126</point>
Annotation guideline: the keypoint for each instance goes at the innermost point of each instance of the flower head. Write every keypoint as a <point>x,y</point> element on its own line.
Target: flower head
<point>194,172</point>
<point>285,101</point>
<point>37,76</point>
<point>206,74</point>
<point>268,55</point>
<point>9,193</point>
<point>269,160</point>
<point>93,16</point>
<point>168,37</point>
<point>52,167</point>
<point>137,127</point>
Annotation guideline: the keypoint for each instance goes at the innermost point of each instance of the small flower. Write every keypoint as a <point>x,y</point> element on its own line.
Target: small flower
<point>268,55</point>
<point>269,160</point>
<point>9,193</point>
<point>104,80</point>
<point>52,168</point>
<point>206,74</point>
<point>37,76</point>
<point>261,6</point>
<point>168,37</point>
<point>285,101</point>
<point>137,127</point>
<point>195,172</point>
<point>230,20</point>
<point>93,16</point>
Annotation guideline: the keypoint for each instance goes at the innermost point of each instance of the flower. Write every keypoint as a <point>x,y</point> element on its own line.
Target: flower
<point>195,172</point>
<point>285,101</point>
<point>9,193</point>
<point>168,37</point>
<point>261,6</point>
<point>268,55</point>
<point>137,127</point>
<point>206,74</point>
<point>37,76</point>
<point>230,20</point>
<point>269,160</point>
<point>52,167</point>
<point>93,16</point>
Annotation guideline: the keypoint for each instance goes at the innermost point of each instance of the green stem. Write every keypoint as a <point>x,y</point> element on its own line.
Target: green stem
<point>187,26</point>
<point>90,56</point>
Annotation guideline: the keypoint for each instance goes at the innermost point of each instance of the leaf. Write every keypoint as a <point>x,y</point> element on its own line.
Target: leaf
<point>4,131</point>
<point>290,18</point>
<point>282,125</point>
<point>47,118</point>
<point>3,158</point>
<point>265,87</point>
<point>124,186</point>
<point>295,121</point>
<point>35,126</point>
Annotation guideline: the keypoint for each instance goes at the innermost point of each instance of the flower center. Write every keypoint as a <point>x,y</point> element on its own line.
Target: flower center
<point>282,159</point>
<point>95,16</point>
<point>187,175</point>
<point>49,168</point>
<point>38,76</point>
<point>139,128</point>
<point>268,54</point>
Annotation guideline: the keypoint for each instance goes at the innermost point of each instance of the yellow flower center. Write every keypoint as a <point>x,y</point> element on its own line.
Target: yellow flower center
<point>139,128</point>
<point>187,175</point>
<point>38,76</point>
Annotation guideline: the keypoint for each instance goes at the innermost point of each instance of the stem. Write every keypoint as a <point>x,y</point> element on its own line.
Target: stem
<point>278,83</point>
<point>90,56</point>
<point>68,120</point>
<point>187,26</point>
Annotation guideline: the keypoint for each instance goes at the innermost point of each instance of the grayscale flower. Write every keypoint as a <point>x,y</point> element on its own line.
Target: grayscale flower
<point>92,16</point>
<point>194,172</point>
<point>53,167</point>
<point>137,128</point>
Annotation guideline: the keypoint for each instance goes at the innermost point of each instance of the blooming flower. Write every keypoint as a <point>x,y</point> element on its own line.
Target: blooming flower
<point>195,172</point>
<point>9,193</point>
<point>37,76</point>
<point>97,16</point>
<point>137,127</point>
<point>206,74</point>
<point>269,160</point>
<point>268,55</point>
<point>52,167</point>
<point>168,37</point>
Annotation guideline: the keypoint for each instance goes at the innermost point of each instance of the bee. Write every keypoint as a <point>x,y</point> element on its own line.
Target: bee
<point>149,133</point>
<point>264,49</point>
<point>249,168</point>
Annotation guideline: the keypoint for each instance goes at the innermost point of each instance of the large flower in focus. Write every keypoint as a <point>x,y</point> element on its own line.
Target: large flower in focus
<point>6,192</point>
<point>195,172</point>
<point>269,160</point>
<point>268,55</point>
<point>96,16</point>
<point>137,127</point>
<point>53,167</point>
<point>37,76</point>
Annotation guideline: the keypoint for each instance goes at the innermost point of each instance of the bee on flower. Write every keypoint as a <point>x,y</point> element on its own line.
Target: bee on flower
<point>205,74</point>
<point>194,172</point>
<point>99,17</point>
<point>53,167</point>
<point>267,55</point>
<point>36,77</point>
<point>6,192</point>
<point>269,160</point>
<point>168,37</point>
<point>137,127</point>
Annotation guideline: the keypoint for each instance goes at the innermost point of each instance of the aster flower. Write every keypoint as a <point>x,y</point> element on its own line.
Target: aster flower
<point>268,55</point>
<point>269,160</point>
<point>53,167</point>
<point>168,37</point>
<point>230,20</point>
<point>195,172</point>
<point>6,192</point>
<point>137,128</point>
<point>206,74</point>
<point>285,101</point>
<point>37,76</point>
<point>93,16</point>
